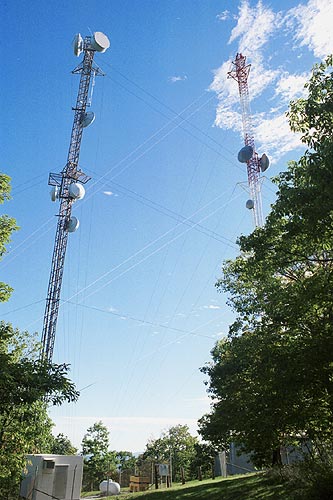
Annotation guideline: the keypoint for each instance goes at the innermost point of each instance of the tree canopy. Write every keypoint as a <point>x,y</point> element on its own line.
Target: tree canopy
<point>27,386</point>
<point>61,445</point>
<point>7,226</point>
<point>99,461</point>
<point>176,445</point>
<point>271,379</point>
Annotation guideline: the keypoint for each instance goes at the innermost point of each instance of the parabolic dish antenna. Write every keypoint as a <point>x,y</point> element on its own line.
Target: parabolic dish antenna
<point>245,154</point>
<point>250,204</point>
<point>100,42</point>
<point>73,224</point>
<point>76,191</point>
<point>264,163</point>
<point>78,44</point>
<point>87,119</point>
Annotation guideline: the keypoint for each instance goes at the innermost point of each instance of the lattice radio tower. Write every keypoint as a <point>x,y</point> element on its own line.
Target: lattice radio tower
<point>67,187</point>
<point>248,154</point>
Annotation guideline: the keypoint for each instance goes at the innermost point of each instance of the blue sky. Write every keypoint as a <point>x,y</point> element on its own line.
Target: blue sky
<point>139,312</point>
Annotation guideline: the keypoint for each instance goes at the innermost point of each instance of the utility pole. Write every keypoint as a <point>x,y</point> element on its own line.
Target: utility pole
<point>67,186</point>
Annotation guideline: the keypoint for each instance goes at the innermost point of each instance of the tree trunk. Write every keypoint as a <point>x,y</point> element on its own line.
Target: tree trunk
<point>213,470</point>
<point>276,458</point>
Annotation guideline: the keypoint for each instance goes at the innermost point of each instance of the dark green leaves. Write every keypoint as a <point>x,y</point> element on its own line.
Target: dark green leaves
<point>272,379</point>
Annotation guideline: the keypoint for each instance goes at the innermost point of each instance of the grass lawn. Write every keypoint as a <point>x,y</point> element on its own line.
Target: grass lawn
<point>247,487</point>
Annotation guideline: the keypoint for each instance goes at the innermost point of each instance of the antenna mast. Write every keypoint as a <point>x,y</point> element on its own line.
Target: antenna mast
<point>248,154</point>
<point>68,185</point>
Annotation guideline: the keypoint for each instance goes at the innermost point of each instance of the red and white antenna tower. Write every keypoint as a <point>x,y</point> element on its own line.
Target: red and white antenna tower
<point>248,154</point>
<point>68,185</point>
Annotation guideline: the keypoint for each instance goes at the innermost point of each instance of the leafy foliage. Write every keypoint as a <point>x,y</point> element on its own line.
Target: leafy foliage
<point>271,379</point>
<point>25,378</point>
<point>204,458</point>
<point>27,386</point>
<point>7,226</point>
<point>99,462</point>
<point>176,444</point>
<point>61,445</point>
<point>126,460</point>
<point>309,479</point>
<point>25,431</point>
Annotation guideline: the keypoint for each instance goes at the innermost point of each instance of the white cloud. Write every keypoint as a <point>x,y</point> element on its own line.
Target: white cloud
<point>226,118</point>
<point>212,306</point>
<point>223,16</point>
<point>108,193</point>
<point>174,79</point>
<point>255,27</point>
<point>223,85</point>
<point>312,25</point>
<point>274,136</point>
<point>291,86</point>
<point>112,309</point>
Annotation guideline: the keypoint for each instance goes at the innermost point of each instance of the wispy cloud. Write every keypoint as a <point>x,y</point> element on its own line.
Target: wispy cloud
<point>223,16</point>
<point>254,27</point>
<point>274,135</point>
<point>291,86</point>
<point>178,78</point>
<point>211,306</point>
<point>312,25</point>
<point>108,193</point>
<point>308,25</point>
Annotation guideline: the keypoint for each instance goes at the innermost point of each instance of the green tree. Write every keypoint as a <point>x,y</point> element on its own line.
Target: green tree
<point>175,444</point>
<point>125,459</point>
<point>7,226</point>
<point>205,455</point>
<point>98,460</point>
<point>61,445</point>
<point>27,386</point>
<point>271,379</point>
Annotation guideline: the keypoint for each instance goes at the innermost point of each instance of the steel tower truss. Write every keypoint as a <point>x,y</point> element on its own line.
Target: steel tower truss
<point>240,73</point>
<point>70,174</point>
